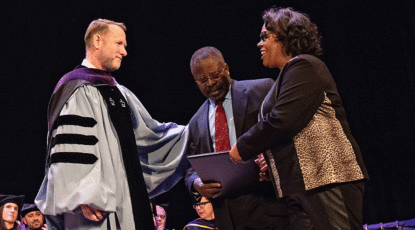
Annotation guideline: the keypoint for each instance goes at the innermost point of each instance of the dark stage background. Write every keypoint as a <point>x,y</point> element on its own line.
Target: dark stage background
<point>368,46</point>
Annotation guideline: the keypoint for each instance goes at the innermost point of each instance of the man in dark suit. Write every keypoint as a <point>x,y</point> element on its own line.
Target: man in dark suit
<point>238,102</point>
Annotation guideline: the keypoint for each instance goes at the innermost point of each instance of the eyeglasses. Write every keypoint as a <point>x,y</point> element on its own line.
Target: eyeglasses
<point>264,35</point>
<point>160,217</point>
<point>214,77</point>
<point>200,205</point>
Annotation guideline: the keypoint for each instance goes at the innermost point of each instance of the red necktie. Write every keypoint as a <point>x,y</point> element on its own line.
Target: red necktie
<point>221,129</point>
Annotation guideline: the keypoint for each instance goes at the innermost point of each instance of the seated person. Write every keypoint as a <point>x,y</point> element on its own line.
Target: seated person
<point>160,218</point>
<point>207,218</point>
<point>10,207</point>
<point>32,218</point>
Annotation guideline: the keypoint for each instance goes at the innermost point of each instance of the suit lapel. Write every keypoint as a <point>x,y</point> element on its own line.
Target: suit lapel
<point>203,122</point>
<point>239,103</point>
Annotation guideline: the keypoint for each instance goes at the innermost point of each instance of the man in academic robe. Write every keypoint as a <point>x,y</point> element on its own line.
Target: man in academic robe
<point>238,103</point>
<point>106,155</point>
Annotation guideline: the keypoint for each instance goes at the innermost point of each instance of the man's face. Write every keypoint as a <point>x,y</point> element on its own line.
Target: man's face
<point>10,212</point>
<point>112,48</point>
<point>160,219</point>
<point>33,220</point>
<point>212,77</point>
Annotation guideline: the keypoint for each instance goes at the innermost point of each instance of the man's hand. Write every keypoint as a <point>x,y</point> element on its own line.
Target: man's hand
<point>45,227</point>
<point>208,190</point>
<point>234,155</point>
<point>263,168</point>
<point>92,213</point>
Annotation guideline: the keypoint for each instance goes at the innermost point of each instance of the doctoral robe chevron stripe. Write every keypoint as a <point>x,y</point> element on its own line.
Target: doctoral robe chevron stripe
<point>75,120</point>
<point>73,157</point>
<point>80,139</point>
<point>74,139</point>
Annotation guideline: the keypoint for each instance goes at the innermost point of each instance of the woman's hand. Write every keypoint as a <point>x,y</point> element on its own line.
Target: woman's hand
<point>263,168</point>
<point>234,155</point>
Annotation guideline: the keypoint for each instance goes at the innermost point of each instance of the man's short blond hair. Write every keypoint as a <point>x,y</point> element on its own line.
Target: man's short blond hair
<point>99,26</point>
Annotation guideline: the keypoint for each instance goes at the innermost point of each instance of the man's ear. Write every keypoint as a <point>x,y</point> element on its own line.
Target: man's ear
<point>97,41</point>
<point>24,220</point>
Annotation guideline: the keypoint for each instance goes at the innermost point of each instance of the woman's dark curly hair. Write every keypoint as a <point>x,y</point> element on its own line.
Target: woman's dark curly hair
<point>294,29</point>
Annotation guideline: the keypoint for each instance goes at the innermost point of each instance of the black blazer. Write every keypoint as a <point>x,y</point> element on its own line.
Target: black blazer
<point>247,97</point>
<point>304,127</point>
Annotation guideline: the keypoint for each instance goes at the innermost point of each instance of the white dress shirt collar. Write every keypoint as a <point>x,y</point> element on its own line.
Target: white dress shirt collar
<point>88,64</point>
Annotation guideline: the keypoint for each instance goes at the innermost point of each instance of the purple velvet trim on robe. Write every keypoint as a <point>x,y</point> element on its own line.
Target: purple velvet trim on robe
<point>93,76</point>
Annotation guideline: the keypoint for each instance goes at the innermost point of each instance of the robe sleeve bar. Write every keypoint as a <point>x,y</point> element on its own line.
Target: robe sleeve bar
<point>75,120</point>
<point>73,157</point>
<point>73,139</point>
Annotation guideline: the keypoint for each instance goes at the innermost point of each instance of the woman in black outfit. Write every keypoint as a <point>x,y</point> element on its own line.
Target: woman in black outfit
<point>313,159</point>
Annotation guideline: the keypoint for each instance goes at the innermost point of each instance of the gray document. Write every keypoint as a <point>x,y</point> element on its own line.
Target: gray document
<point>234,178</point>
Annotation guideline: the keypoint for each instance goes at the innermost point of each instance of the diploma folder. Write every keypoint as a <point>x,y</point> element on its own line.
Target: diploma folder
<point>217,167</point>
